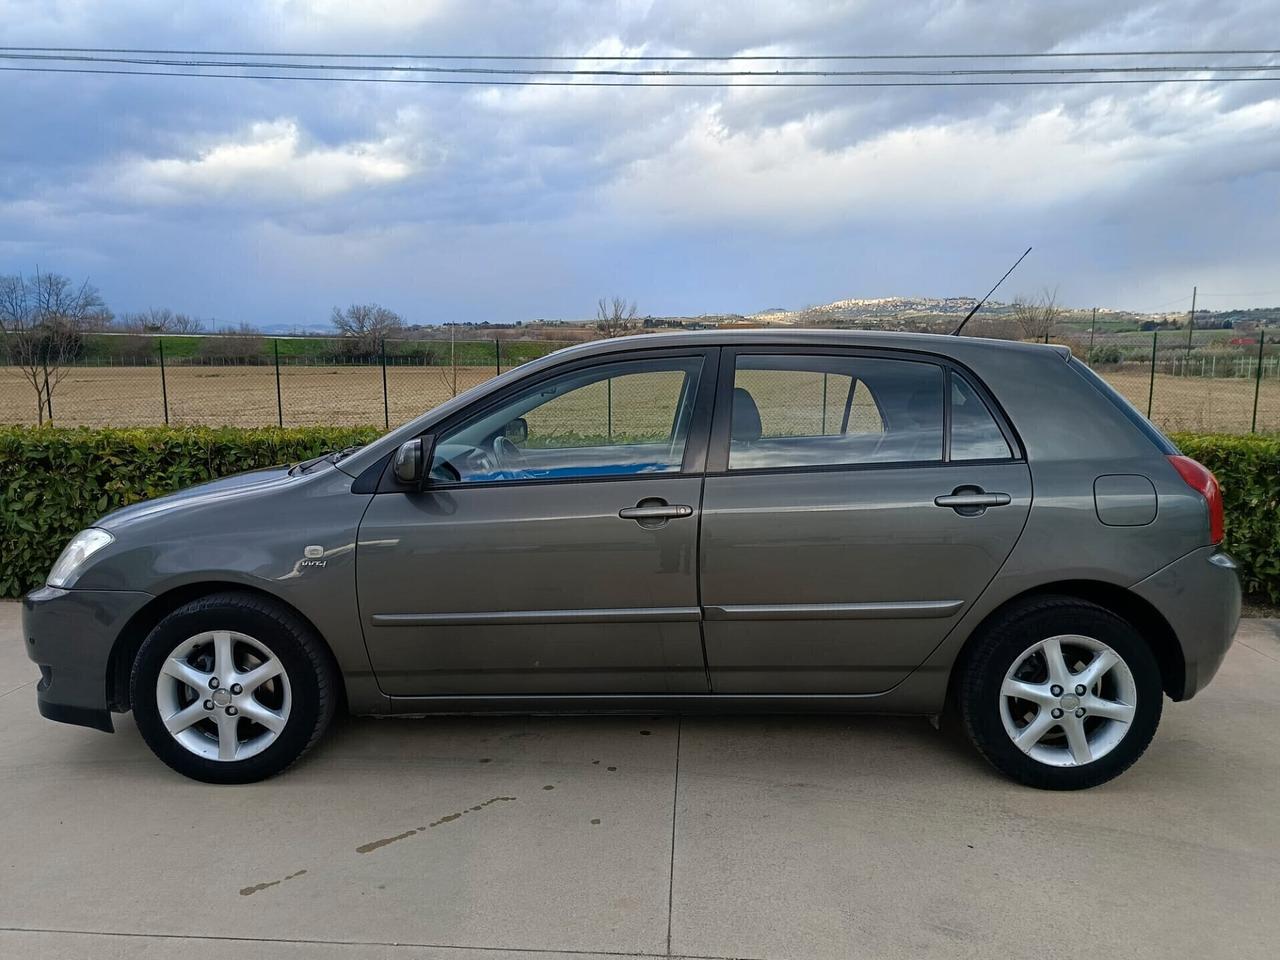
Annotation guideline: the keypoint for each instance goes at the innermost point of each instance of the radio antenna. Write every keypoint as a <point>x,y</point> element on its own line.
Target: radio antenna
<point>978,305</point>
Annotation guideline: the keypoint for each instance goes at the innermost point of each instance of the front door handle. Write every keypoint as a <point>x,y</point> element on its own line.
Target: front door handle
<point>972,501</point>
<point>654,512</point>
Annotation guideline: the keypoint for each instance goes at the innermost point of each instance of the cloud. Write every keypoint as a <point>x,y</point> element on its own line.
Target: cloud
<point>342,16</point>
<point>508,203</point>
<point>269,161</point>
<point>790,174</point>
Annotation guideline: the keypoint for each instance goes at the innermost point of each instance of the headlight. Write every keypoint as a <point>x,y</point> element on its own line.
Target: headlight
<point>82,546</point>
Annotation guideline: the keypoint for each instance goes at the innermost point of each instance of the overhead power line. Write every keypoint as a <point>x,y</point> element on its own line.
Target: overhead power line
<point>195,63</point>
<point>641,85</point>
<point>649,57</point>
<point>530,70</point>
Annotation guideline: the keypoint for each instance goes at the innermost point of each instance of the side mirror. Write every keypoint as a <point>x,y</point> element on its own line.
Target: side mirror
<point>517,430</point>
<point>412,464</point>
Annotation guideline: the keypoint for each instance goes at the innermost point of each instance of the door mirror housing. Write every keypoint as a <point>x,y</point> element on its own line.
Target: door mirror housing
<point>412,464</point>
<point>517,430</point>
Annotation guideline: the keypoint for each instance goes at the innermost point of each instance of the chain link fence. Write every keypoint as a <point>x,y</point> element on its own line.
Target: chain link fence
<point>122,380</point>
<point>1208,381</point>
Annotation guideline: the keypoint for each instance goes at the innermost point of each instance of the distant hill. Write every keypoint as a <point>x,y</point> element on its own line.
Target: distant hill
<point>942,313</point>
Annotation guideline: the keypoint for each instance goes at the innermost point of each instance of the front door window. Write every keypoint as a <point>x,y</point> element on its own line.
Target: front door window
<point>612,420</point>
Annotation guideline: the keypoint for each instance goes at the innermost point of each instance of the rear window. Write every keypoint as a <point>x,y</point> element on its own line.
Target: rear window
<point>1145,426</point>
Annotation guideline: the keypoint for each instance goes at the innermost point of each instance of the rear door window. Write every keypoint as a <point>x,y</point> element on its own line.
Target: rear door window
<point>792,410</point>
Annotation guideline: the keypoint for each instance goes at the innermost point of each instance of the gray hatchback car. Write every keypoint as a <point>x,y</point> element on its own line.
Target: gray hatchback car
<point>785,521</point>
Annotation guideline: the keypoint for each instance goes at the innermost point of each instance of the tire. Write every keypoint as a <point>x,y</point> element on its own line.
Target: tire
<point>186,678</point>
<point>1116,716</point>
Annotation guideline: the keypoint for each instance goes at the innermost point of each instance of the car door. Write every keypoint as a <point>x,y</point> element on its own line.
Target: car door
<point>554,549</point>
<point>856,503</point>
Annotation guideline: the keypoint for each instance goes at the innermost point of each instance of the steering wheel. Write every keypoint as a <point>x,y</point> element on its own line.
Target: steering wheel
<point>509,455</point>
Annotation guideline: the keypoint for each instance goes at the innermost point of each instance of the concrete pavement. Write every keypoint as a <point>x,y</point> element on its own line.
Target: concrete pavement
<point>485,839</point>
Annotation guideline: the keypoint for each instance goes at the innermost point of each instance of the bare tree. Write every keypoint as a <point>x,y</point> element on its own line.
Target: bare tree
<point>363,327</point>
<point>615,317</point>
<point>42,320</point>
<point>160,320</point>
<point>1037,317</point>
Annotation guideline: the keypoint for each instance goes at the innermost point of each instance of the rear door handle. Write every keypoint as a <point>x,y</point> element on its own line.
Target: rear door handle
<point>648,510</point>
<point>971,501</point>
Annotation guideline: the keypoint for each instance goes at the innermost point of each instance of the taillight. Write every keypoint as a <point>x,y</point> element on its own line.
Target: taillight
<point>1201,479</point>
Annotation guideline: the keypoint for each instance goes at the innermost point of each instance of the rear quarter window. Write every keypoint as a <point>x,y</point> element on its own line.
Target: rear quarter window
<point>1130,412</point>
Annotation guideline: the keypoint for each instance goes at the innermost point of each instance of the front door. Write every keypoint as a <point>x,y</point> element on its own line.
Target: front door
<point>555,549</point>
<point>855,505</point>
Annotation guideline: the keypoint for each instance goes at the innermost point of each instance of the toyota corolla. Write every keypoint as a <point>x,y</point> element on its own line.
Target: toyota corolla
<point>788,521</point>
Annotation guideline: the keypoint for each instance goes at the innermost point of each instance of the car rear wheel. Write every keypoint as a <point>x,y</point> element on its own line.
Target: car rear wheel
<point>232,688</point>
<point>1060,694</point>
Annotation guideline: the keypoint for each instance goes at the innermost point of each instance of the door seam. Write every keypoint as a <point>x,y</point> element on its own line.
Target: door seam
<point>697,562</point>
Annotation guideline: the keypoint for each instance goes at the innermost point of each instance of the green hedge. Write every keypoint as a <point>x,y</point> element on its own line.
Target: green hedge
<point>54,482</point>
<point>1248,470</point>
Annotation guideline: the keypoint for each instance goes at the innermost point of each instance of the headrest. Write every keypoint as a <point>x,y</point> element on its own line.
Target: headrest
<point>745,421</point>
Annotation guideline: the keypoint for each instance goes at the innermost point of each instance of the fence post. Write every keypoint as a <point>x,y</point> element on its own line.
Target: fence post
<point>1191,327</point>
<point>1092,329</point>
<point>497,355</point>
<point>1151,391</point>
<point>1257,378</point>
<point>275,349</point>
<point>386,405</point>
<point>824,404</point>
<point>164,386</point>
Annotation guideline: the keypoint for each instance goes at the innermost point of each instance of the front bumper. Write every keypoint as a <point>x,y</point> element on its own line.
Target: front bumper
<point>69,634</point>
<point>1200,597</point>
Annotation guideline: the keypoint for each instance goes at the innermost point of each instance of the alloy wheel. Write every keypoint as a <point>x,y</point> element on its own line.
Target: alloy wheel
<point>223,695</point>
<point>1068,700</point>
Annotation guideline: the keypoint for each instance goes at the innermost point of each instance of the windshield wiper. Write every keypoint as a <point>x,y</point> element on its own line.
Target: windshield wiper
<point>333,456</point>
<point>343,453</point>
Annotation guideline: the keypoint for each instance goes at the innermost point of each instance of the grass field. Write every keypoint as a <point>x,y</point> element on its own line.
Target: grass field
<point>126,349</point>
<point>246,396</point>
<point>236,396</point>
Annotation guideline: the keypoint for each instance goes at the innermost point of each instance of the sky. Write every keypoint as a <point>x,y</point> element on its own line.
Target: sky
<point>270,202</point>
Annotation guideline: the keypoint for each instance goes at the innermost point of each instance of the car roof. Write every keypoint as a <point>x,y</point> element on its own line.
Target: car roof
<point>884,340</point>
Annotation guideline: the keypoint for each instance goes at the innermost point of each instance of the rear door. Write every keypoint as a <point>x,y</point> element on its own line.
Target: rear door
<point>856,502</point>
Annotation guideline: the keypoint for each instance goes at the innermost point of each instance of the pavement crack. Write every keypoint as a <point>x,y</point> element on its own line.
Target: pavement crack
<point>1265,656</point>
<point>373,845</point>
<point>21,686</point>
<point>675,807</point>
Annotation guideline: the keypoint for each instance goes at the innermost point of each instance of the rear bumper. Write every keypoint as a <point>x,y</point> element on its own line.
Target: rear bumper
<point>1200,597</point>
<point>69,634</point>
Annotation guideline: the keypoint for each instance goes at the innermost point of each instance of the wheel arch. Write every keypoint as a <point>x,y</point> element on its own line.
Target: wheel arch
<point>1124,603</point>
<point>125,649</point>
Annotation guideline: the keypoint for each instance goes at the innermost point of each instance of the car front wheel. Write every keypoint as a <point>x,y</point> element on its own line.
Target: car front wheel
<point>1060,694</point>
<point>232,688</point>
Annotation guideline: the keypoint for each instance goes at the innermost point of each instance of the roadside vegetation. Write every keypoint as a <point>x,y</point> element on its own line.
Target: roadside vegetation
<point>57,481</point>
